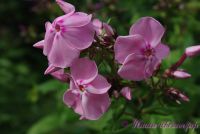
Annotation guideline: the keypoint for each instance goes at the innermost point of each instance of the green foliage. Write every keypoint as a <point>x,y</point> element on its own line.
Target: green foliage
<point>32,103</point>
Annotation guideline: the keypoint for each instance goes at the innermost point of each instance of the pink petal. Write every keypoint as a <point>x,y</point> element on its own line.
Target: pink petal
<point>77,19</point>
<point>99,85</point>
<point>73,85</point>
<point>151,66</point>
<point>66,7</point>
<point>82,118</point>
<point>162,51</point>
<point>181,74</point>
<point>126,45</point>
<point>84,70</point>
<point>62,55</point>
<point>98,25</point>
<point>126,92</point>
<point>72,99</point>
<point>48,39</point>
<point>150,29</point>
<point>39,44</point>
<point>80,38</point>
<point>51,69</point>
<point>192,51</point>
<point>94,106</point>
<point>133,68</point>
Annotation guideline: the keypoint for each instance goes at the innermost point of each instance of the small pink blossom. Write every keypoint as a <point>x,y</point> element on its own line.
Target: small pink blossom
<point>67,36</point>
<point>126,92</point>
<point>142,51</point>
<point>87,94</point>
<point>192,51</point>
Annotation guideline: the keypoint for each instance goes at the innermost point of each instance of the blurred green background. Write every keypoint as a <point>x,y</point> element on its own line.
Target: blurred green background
<point>32,103</point>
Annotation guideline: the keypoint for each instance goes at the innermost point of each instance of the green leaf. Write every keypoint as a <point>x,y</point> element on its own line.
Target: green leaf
<point>46,125</point>
<point>51,85</point>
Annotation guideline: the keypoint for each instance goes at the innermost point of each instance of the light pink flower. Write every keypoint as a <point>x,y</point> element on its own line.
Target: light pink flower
<point>126,92</point>
<point>87,94</point>
<point>67,36</point>
<point>141,51</point>
<point>192,51</point>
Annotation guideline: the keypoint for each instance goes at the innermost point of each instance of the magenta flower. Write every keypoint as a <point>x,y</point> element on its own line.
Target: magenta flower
<point>126,93</point>
<point>87,94</point>
<point>192,51</point>
<point>67,36</point>
<point>142,51</point>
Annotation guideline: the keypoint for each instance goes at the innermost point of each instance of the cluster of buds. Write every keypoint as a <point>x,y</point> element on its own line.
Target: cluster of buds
<point>176,95</point>
<point>104,33</point>
<point>173,71</point>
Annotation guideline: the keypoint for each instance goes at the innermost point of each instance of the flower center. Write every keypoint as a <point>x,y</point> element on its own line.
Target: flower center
<point>57,27</point>
<point>148,51</point>
<point>81,87</point>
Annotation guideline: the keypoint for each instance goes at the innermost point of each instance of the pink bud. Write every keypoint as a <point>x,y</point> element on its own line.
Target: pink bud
<point>108,29</point>
<point>181,74</point>
<point>100,26</point>
<point>39,44</point>
<point>126,93</point>
<point>66,7</point>
<point>192,51</point>
<point>177,95</point>
<point>61,75</point>
<point>51,69</point>
<point>116,94</point>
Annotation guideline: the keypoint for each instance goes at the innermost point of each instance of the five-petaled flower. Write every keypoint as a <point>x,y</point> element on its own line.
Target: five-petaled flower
<point>142,51</point>
<point>87,94</point>
<point>67,36</point>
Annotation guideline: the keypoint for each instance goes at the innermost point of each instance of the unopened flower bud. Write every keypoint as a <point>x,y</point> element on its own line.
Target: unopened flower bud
<point>177,95</point>
<point>181,74</point>
<point>51,69</point>
<point>116,94</point>
<point>103,29</point>
<point>126,93</point>
<point>192,51</point>
<point>61,76</point>
<point>178,74</point>
<point>39,44</point>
